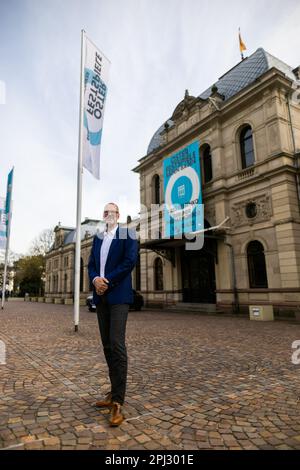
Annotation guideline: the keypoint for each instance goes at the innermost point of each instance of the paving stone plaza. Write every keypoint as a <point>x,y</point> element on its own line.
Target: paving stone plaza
<point>194,382</point>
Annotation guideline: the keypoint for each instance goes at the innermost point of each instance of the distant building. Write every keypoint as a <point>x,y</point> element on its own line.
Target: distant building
<point>248,129</point>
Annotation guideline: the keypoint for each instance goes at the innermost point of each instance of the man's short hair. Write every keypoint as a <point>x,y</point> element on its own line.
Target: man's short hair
<point>114,204</point>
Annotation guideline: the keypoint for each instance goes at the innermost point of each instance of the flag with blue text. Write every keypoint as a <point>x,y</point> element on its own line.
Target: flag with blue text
<point>8,195</point>
<point>5,211</point>
<point>96,69</point>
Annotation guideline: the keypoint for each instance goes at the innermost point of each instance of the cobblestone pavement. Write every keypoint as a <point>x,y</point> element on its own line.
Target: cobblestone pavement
<point>194,382</point>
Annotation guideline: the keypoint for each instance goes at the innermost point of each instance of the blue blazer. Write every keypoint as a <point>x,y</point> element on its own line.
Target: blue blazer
<point>121,259</point>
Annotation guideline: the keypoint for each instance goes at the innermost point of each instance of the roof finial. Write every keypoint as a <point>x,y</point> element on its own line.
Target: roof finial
<point>186,95</point>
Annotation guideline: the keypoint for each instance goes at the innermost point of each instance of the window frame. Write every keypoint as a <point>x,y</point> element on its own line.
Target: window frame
<point>156,197</point>
<point>255,271</point>
<point>158,261</point>
<point>203,152</point>
<point>242,141</point>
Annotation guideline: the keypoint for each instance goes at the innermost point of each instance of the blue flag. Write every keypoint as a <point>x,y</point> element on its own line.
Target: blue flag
<point>8,196</point>
<point>5,211</point>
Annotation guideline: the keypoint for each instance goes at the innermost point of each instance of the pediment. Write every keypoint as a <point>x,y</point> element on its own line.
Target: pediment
<point>185,106</point>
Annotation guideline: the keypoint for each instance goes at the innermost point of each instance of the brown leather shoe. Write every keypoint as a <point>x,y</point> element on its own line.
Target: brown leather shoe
<point>116,415</point>
<point>106,403</point>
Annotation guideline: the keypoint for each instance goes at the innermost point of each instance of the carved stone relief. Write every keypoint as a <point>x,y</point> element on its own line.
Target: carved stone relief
<point>263,212</point>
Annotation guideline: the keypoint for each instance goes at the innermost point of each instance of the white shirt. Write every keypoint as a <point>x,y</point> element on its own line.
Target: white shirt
<point>107,239</point>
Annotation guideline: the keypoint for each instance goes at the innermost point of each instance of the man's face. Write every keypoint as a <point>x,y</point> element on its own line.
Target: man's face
<point>111,214</point>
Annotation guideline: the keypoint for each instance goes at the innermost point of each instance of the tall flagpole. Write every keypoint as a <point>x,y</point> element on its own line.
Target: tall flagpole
<point>7,243</point>
<point>79,189</point>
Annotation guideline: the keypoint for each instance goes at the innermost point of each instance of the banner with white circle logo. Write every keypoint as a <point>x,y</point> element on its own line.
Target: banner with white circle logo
<point>182,190</point>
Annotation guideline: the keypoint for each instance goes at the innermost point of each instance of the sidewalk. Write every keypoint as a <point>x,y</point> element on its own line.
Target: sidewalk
<point>194,382</point>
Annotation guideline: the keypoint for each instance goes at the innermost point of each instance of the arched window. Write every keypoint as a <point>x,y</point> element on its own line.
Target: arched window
<point>160,230</point>
<point>156,189</point>
<point>207,164</point>
<point>257,266</point>
<point>246,145</point>
<point>138,274</point>
<point>65,283</point>
<point>158,274</point>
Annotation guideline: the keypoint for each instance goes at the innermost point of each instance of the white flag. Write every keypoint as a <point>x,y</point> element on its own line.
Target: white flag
<point>96,68</point>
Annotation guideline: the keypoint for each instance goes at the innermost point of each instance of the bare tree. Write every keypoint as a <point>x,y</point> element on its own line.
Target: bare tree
<point>42,243</point>
<point>12,257</point>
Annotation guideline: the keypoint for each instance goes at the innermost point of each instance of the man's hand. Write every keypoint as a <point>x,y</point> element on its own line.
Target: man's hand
<point>101,285</point>
<point>101,290</point>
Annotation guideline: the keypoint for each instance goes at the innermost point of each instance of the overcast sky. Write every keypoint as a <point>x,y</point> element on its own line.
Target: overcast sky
<point>157,49</point>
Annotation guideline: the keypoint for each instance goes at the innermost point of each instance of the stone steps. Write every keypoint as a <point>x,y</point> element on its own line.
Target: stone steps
<point>195,308</point>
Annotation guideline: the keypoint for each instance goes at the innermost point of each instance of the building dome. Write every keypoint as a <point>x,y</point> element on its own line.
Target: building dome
<point>232,82</point>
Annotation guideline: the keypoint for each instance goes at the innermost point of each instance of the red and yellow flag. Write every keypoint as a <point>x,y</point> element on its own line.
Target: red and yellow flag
<point>242,45</point>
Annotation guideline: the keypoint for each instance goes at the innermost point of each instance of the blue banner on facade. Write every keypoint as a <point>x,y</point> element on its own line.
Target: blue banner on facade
<point>182,190</point>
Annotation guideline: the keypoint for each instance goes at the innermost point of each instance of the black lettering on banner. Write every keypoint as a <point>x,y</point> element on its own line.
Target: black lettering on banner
<point>97,91</point>
<point>98,59</point>
<point>92,97</point>
<point>97,113</point>
<point>179,161</point>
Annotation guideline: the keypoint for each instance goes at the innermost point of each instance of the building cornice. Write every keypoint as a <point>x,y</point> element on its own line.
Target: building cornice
<point>272,77</point>
<point>211,192</point>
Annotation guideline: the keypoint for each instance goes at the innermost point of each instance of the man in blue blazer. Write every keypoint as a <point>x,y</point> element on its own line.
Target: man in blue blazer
<point>113,257</point>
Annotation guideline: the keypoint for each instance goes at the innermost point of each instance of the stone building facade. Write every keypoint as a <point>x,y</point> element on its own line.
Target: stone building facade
<point>248,128</point>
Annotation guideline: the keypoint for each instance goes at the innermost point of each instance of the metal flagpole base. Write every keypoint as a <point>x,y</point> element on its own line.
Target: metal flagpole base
<point>76,328</point>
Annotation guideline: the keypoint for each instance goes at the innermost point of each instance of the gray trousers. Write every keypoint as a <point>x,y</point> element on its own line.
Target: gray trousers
<point>112,321</point>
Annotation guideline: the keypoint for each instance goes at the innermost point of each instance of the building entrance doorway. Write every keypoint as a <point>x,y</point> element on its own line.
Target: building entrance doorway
<point>198,273</point>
